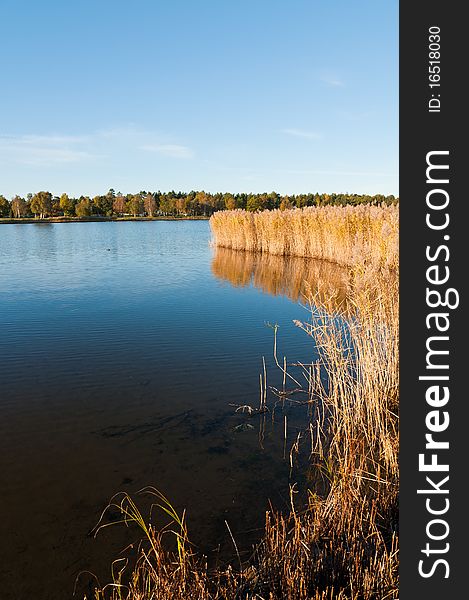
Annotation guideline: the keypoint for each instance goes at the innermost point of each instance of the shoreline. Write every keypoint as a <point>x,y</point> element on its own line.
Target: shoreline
<point>29,220</point>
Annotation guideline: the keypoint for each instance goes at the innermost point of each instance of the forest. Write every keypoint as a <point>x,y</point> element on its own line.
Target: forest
<point>43,204</point>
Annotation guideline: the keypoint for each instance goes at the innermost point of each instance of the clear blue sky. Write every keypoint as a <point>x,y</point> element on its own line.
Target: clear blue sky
<point>252,95</point>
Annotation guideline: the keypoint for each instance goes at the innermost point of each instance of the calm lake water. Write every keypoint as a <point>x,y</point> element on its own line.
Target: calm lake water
<point>122,347</point>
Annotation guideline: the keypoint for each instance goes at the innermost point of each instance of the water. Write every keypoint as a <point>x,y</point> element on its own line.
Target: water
<point>123,348</point>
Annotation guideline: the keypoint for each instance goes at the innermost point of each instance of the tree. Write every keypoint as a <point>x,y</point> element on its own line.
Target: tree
<point>5,209</point>
<point>181,206</point>
<point>119,205</point>
<point>254,203</point>
<point>285,203</point>
<point>41,204</point>
<point>229,201</point>
<point>83,207</point>
<point>273,200</point>
<point>149,204</point>
<point>55,211</point>
<point>167,204</point>
<point>102,205</point>
<point>66,205</point>
<point>135,205</point>
<point>19,207</point>
<point>201,201</point>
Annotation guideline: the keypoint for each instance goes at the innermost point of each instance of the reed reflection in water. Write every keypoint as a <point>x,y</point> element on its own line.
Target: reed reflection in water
<point>295,277</point>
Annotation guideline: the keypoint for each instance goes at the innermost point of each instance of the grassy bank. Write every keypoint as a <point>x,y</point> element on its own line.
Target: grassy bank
<point>346,235</point>
<point>9,221</point>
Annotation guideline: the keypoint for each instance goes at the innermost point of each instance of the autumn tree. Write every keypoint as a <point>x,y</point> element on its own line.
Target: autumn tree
<point>201,202</point>
<point>181,203</point>
<point>181,206</point>
<point>149,204</point>
<point>167,204</point>
<point>41,204</point>
<point>19,207</point>
<point>66,205</point>
<point>135,205</point>
<point>285,203</point>
<point>55,210</point>
<point>229,201</point>
<point>119,205</point>
<point>5,208</point>
<point>83,207</point>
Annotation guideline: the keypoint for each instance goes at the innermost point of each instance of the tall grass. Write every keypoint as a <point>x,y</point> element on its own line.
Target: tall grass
<point>344,542</point>
<point>346,235</point>
<point>341,543</point>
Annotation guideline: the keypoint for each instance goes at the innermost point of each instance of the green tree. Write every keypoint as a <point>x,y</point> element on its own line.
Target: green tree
<point>167,204</point>
<point>253,203</point>
<point>66,205</point>
<point>41,204</point>
<point>5,208</point>
<point>273,200</point>
<point>56,211</point>
<point>83,207</point>
<point>102,205</point>
<point>135,205</point>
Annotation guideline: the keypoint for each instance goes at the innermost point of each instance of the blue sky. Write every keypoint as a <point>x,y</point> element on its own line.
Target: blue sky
<point>298,96</point>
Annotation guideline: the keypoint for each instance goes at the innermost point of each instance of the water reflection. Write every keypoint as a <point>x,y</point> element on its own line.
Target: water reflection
<point>122,358</point>
<point>291,276</point>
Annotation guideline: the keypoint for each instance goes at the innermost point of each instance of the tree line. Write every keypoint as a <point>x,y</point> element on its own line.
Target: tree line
<point>177,204</point>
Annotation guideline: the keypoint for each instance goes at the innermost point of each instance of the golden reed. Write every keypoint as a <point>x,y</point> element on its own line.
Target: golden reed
<point>347,235</point>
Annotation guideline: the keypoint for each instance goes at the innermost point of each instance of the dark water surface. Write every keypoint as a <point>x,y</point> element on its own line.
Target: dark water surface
<point>122,347</point>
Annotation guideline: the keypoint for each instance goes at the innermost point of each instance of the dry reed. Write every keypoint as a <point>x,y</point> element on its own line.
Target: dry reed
<point>344,234</point>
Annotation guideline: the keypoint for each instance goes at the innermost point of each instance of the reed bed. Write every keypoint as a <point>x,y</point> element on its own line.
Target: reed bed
<point>342,542</point>
<point>344,234</point>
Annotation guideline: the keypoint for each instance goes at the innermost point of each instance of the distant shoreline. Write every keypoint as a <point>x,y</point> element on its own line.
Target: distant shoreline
<point>27,220</point>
